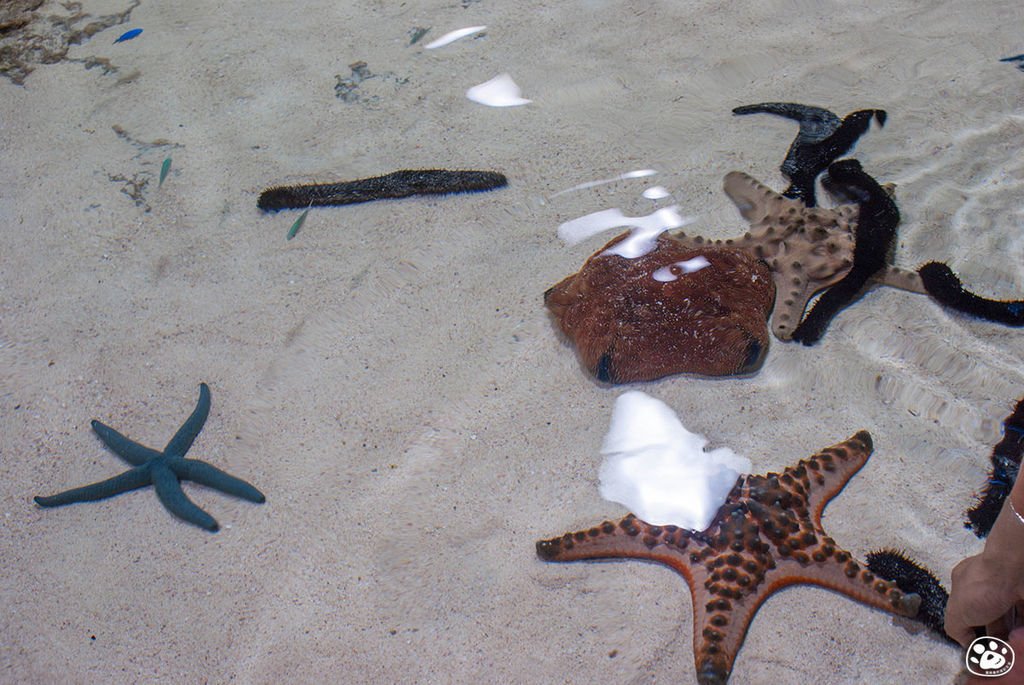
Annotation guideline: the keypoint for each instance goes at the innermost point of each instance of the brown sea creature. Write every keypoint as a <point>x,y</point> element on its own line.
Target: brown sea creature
<point>766,536</point>
<point>807,248</point>
<point>627,327</point>
<point>676,309</point>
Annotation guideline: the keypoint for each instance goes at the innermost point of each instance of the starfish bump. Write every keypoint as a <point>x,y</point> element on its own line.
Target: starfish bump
<point>164,470</point>
<point>766,536</point>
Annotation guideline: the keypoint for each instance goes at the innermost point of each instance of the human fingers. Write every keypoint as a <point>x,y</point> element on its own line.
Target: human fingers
<point>972,601</point>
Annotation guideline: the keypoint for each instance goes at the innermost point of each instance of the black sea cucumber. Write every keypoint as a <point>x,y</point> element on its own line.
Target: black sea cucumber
<point>389,186</point>
<point>1006,457</point>
<point>910,576</point>
<point>942,284</point>
<point>822,139</point>
<point>876,230</point>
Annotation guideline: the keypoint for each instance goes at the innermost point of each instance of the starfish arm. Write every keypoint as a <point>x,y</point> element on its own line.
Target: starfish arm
<point>630,538</point>
<point>168,489</point>
<point>904,279</point>
<point>752,197</point>
<point>694,241</point>
<point>132,452</point>
<point>719,629</point>
<point>845,575</point>
<point>129,480</point>
<point>822,476</point>
<point>212,477</point>
<point>678,549</point>
<point>813,326</point>
<point>186,435</point>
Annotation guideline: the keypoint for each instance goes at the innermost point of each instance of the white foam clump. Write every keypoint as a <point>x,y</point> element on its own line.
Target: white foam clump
<point>500,91</point>
<point>644,236</point>
<point>660,470</point>
<point>646,229</point>
<point>453,36</point>
<point>656,193</point>
<point>687,266</point>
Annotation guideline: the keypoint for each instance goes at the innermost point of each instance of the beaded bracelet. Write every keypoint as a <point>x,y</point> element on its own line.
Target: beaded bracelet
<point>1014,510</point>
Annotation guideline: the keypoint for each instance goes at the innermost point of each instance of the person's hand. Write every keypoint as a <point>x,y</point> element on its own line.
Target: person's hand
<point>988,590</point>
<point>985,588</point>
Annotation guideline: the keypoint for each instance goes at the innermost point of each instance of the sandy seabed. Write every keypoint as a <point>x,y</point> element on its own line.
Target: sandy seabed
<point>390,378</point>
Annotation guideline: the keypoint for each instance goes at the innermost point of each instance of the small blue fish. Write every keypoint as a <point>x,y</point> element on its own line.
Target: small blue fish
<point>164,169</point>
<point>298,224</point>
<point>128,35</point>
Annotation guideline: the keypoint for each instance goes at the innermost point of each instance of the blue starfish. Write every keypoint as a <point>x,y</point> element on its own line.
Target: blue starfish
<point>163,470</point>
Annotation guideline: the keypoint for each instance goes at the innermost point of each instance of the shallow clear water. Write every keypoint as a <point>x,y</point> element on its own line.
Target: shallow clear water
<point>390,378</point>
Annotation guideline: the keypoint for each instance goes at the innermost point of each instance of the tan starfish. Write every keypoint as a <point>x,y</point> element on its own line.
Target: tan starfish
<point>766,535</point>
<point>807,248</point>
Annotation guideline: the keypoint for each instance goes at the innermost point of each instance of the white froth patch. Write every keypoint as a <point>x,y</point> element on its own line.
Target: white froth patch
<point>642,240</point>
<point>656,193</point>
<point>500,91</point>
<point>660,470</point>
<point>688,266</point>
<point>453,36</point>
<point>646,229</point>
